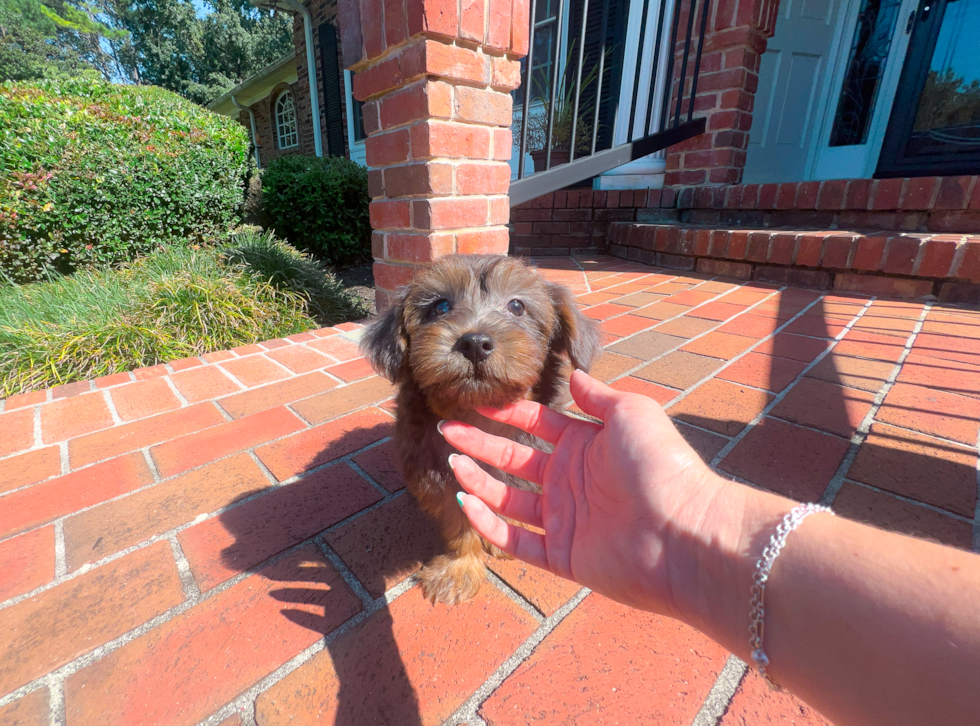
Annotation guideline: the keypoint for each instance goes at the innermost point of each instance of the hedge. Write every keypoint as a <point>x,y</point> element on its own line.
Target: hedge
<point>93,173</point>
<point>319,205</point>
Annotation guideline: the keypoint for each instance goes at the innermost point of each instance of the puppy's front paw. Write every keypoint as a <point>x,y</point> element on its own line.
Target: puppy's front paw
<point>451,580</point>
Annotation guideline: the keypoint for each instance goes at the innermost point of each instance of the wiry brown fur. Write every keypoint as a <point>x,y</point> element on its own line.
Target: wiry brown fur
<point>419,351</point>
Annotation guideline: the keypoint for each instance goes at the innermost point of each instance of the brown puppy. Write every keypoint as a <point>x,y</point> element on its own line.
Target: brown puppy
<point>471,330</point>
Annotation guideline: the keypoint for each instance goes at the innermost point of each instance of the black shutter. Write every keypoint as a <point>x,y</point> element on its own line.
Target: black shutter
<point>333,91</point>
<point>612,68</point>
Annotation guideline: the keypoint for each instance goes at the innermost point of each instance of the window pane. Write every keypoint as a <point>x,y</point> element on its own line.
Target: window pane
<point>865,65</point>
<point>949,107</point>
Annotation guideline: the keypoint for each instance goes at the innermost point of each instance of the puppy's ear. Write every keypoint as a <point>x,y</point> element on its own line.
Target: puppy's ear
<point>575,335</point>
<point>385,342</point>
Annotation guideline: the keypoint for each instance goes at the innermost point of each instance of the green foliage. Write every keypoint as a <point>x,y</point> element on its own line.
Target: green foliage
<point>46,38</point>
<point>320,205</point>
<point>169,305</point>
<point>93,173</point>
<point>285,268</point>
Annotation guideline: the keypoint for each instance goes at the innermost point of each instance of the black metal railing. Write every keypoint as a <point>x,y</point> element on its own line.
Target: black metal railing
<point>569,106</point>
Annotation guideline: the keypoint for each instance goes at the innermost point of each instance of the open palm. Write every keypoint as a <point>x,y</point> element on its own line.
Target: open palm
<point>615,497</point>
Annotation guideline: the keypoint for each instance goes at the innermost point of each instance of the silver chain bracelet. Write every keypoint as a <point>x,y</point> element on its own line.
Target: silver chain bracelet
<point>762,569</point>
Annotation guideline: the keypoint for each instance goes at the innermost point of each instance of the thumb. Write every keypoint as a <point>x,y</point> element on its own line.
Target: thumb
<point>592,396</point>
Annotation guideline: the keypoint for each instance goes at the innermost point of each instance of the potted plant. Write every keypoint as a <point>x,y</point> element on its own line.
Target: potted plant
<point>564,111</point>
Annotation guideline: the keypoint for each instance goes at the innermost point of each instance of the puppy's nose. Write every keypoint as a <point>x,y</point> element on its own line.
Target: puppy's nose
<point>475,346</point>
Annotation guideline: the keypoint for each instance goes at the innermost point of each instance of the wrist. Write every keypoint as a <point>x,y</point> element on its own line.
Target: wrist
<point>710,565</point>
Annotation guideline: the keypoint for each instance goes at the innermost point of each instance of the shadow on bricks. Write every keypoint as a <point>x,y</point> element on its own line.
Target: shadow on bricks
<point>792,416</point>
<point>361,675</point>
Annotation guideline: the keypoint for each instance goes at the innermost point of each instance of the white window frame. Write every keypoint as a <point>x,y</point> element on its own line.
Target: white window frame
<point>286,137</point>
<point>358,150</point>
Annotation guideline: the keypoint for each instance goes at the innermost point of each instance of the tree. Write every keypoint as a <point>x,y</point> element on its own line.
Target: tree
<point>198,57</point>
<point>44,37</point>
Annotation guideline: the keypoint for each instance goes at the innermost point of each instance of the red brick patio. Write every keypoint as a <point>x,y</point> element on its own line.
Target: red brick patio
<point>226,540</point>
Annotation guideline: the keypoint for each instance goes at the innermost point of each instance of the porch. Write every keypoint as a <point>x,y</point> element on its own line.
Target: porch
<point>226,539</point>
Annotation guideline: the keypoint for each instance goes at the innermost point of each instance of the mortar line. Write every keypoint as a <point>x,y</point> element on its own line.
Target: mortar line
<point>38,437</point>
<point>924,505</point>
<point>64,460</point>
<point>184,403</point>
<point>187,580</point>
<point>197,520</point>
<point>751,349</point>
<point>837,480</point>
<point>645,362</point>
<point>720,696</point>
<point>60,560</point>
<point>514,595</point>
<point>111,405</point>
<point>468,710</point>
<point>56,702</point>
<point>356,586</point>
<point>782,394</point>
<point>245,702</point>
<point>96,654</point>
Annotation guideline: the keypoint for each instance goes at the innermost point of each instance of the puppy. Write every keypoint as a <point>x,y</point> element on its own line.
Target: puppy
<point>471,330</point>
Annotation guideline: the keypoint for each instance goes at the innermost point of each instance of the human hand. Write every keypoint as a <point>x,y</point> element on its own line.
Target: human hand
<point>621,503</point>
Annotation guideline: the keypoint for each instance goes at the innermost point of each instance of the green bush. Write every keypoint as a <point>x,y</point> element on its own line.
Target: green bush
<point>170,304</point>
<point>93,173</point>
<point>320,205</point>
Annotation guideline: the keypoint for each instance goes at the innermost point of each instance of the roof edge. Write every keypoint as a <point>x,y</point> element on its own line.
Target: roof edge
<point>268,70</point>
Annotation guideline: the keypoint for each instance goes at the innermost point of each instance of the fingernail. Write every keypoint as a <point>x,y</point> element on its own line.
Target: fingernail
<point>439,427</point>
<point>459,499</point>
<point>451,457</point>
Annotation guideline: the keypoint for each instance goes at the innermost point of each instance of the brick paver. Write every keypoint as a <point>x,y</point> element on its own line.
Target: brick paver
<point>177,542</point>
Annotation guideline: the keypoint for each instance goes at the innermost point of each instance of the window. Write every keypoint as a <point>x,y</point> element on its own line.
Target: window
<point>286,121</point>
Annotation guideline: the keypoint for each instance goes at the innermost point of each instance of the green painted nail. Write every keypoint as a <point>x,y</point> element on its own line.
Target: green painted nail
<point>451,457</point>
<point>439,427</point>
<point>459,499</point>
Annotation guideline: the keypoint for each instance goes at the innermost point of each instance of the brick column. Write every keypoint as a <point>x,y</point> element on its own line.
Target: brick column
<point>436,78</point>
<point>733,45</point>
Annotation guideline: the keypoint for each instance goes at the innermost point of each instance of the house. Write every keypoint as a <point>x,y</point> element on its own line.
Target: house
<point>283,114</point>
<point>855,119</point>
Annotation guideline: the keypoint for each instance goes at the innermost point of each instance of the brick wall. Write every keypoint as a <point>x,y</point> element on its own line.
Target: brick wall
<point>922,204</point>
<point>575,221</point>
<point>734,41</point>
<point>436,82</point>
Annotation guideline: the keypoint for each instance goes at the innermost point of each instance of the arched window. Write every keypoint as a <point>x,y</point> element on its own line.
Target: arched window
<point>286,121</point>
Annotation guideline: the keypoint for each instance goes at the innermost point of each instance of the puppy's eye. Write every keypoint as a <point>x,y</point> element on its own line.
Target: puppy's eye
<point>440,307</point>
<point>516,307</point>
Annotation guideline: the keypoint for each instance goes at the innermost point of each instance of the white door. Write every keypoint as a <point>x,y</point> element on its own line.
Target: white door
<point>865,78</point>
<point>792,81</point>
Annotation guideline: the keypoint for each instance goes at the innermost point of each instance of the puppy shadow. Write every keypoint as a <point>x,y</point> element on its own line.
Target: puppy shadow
<point>365,679</point>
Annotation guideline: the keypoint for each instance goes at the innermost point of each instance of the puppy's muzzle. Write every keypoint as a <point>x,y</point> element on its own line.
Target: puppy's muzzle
<point>477,347</point>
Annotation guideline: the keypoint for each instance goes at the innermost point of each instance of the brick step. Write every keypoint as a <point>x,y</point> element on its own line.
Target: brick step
<point>888,263</point>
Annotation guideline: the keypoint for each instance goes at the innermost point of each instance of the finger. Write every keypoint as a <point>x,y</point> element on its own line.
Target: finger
<point>592,396</point>
<point>506,455</point>
<point>515,541</point>
<point>513,503</point>
<point>532,417</point>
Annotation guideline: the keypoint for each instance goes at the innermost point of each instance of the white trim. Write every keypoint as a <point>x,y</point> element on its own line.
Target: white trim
<point>358,151</point>
<point>283,132</point>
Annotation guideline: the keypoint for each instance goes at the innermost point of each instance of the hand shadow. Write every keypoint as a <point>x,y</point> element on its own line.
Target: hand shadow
<point>360,678</point>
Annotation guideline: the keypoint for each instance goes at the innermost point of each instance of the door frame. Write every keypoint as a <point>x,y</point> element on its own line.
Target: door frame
<point>914,74</point>
<point>824,161</point>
